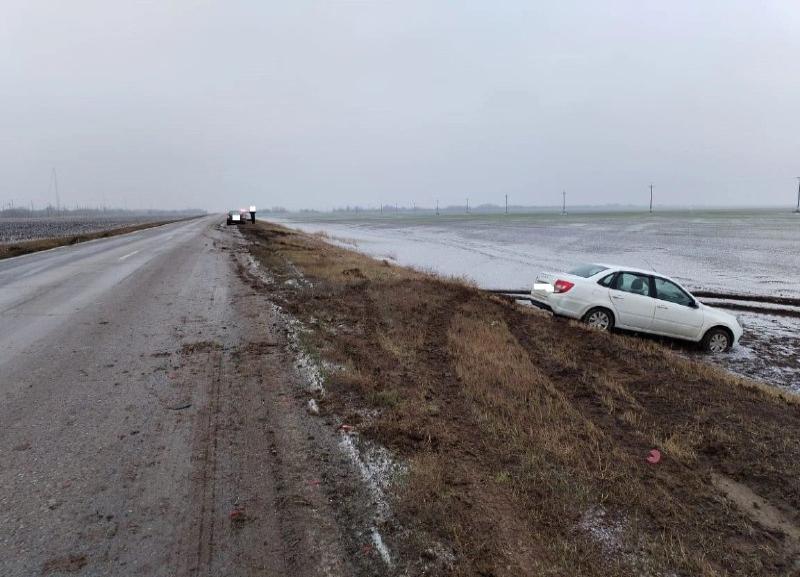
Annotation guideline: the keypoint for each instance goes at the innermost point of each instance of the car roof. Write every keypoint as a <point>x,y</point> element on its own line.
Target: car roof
<point>619,267</point>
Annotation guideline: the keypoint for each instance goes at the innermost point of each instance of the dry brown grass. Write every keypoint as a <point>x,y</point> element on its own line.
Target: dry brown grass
<point>527,436</point>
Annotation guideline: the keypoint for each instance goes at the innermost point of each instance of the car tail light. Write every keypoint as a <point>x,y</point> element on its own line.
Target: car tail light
<point>562,286</point>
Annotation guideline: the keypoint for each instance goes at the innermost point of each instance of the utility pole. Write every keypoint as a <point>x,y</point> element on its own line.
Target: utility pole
<point>563,202</point>
<point>55,184</point>
<point>651,199</point>
<point>506,204</point>
<point>467,206</point>
<point>797,210</point>
<point>437,207</point>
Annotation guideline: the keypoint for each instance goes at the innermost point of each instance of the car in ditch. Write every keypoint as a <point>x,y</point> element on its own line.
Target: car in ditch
<point>608,296</point>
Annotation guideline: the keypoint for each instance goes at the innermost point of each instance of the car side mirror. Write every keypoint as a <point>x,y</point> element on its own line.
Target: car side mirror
<point>695,305</point>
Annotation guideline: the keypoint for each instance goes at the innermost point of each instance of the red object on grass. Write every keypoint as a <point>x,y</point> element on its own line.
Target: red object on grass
<point>654,457</point>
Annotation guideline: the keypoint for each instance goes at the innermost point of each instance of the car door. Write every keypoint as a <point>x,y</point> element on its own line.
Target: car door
<point>676,314</point>
<point>632,301</point>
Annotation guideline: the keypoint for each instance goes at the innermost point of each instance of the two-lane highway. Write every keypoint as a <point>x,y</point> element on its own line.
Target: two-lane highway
<point>87,340</point>
<point>148,425</point>
<point>41,291</point>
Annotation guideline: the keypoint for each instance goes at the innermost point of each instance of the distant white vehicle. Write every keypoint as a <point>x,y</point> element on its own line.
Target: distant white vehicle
<point>606,296</point>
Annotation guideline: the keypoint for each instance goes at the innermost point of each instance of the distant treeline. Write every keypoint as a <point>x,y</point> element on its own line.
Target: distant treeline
<point>450,209</point>
<point>53,212</point>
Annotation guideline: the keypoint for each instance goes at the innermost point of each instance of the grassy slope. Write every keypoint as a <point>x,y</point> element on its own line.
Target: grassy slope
<point>19,248</point>
<point>527,436</point>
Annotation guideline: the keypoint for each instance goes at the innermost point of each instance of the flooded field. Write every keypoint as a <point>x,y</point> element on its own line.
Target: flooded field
<point>742,252</point>
<point>22,229</point>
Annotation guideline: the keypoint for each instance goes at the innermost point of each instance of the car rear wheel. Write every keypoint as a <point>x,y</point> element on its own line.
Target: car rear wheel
<point>717,340</point>
<point>600,319</point>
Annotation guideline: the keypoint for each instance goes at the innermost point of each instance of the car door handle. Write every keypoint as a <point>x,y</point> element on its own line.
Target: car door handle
<point>661,307</point>
<point>619,298</point>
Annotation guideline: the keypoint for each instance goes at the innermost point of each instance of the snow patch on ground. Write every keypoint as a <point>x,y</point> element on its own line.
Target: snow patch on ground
<point>381,547</point>
<point>610,535</point>
<point>307,366</point>
<point>606,532</point>
<point>378,469</point>
<point>374,463</point>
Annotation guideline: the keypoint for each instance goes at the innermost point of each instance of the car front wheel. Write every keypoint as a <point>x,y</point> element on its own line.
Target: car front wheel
<point>600,319</point>
<point>717,341</point>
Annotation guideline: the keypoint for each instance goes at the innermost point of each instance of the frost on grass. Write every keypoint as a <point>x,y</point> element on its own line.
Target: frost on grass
<point>376,466</point>
<point>309,369</point>
<point>252,267</point>
<point>377,540</point>
<point>603,530</point>
<point>377,469</point>
<point>609,534</point>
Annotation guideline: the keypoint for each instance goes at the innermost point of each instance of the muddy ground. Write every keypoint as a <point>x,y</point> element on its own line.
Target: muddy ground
<point>532,445</point>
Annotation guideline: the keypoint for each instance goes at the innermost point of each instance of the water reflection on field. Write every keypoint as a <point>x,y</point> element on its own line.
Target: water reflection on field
<point>756,252</point>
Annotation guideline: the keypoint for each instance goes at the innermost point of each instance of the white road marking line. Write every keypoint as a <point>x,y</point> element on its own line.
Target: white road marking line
<point>127,255</point>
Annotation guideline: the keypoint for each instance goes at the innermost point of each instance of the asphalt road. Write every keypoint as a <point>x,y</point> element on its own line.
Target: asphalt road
<point>150,420</point>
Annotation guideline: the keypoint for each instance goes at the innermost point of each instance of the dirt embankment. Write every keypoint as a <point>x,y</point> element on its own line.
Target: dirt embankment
<point>12,249</point>
<point>527,438</point>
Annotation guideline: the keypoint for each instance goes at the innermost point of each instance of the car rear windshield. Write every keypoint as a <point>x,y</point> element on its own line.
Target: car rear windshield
<point>587,270</point>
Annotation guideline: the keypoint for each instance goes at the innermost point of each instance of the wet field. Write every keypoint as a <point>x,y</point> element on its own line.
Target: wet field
<point>22,229</point>
<point>740,252</point>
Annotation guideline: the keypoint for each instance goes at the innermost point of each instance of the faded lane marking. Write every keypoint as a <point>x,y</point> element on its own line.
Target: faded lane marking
<point>129,254</point>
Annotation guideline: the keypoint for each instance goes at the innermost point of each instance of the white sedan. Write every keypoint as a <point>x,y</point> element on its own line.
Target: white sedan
<point>605,297</point>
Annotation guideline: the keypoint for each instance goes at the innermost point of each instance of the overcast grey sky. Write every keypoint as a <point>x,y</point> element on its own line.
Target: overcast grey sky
<point>322,104</point>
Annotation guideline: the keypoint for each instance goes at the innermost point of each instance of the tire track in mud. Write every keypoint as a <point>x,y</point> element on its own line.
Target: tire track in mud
<point>711,477</point>
<point>761,299</point>
<point>208,473</point>
<point>284,498</point>
<point>322,508</point>
<point>199,540</point>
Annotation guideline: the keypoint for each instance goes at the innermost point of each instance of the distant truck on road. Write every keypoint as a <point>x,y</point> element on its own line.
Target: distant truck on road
<point>241,216</point>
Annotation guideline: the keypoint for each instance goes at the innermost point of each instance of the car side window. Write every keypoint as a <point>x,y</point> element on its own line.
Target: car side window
<point>669,291</point>
<point>607,280</point>
<point>629,282</point>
